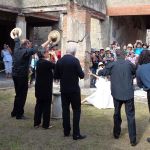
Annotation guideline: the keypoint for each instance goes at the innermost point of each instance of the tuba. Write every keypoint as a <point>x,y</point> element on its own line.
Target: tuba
<point>54,37</point>
<point>15,31</point>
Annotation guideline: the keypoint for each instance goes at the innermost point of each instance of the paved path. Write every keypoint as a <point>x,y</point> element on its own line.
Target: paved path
<point>140,95</point>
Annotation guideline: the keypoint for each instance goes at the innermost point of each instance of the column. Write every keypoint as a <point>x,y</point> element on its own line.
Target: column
<point>21,23</point>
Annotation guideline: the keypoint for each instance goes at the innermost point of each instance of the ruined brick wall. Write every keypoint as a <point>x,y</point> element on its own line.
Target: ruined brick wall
<point>76,27</point>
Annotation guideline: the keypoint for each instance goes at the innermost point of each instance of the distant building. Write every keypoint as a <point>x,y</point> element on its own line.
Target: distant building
<point>89,23</point>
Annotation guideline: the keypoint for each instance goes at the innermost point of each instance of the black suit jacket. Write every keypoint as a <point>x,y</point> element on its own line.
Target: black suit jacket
<point>68,70</point>
<point>44,79</point>
<point>121,76</point>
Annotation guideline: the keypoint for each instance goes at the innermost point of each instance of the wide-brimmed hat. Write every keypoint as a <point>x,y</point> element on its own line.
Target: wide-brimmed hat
<point>15,30</point>
<point>54,37</point>
<point>101,48</point>
<point>130,45</point>
<point>100,63</point>
<point>107,49</point>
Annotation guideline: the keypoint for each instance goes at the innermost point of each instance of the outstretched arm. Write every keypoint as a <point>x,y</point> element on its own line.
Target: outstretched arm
<point>44,45</point>
<point>94,75</point>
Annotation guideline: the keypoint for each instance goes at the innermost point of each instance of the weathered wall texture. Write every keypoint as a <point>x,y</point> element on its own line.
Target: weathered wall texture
<point>128,7</point>
<point>38,3</point>
<point>11,3</point>
<point>98,5</point>
<point>95,33</point>
<point>76,27</point>
<point>99,33</point>
<point>125,30</point>
<point>41,34</point>
<point>113,3</point>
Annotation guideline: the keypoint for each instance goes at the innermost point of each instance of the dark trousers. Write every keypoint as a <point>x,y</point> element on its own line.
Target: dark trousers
<point>148,98</point>
<point>21,89</point>
<point>130,113</point>
<point>42,109</point>
<point>93,79</point>
<point>75,100</point>
<point>32,75</point>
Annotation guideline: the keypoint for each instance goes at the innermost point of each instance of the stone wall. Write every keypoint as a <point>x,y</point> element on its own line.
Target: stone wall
<point>12,3</point>
<point>127,29</point>
<point>41,34</point>
<point>39,3</point>
<point>96,33</point>
<point>99,34</point>
<point>76,29</point>
<point>98,5</point>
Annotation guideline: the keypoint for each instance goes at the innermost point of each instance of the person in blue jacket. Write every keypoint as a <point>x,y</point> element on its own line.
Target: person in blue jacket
<point>143,74</point>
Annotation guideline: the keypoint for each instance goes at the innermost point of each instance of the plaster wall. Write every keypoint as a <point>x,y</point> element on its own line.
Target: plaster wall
<point>113,3</point>
<point>12,3</point>
<point>98,5</point>
<point>39,3</point>
<point>127,29</point>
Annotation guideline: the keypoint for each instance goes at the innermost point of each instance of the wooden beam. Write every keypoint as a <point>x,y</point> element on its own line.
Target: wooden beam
<point>44,9</point>
<point>9,9</point>
<point>128,10</point>
<point>43,16</point>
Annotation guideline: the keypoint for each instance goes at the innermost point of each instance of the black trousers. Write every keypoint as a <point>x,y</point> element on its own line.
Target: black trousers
<point>130,113</point>
<point>32,75</point>
<point>21,89</point>
<point>42,109</point>
<point>75,100</point>
<point>148,98</point>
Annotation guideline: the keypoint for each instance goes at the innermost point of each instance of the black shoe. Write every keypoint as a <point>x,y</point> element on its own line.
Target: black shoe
<point>79,137</point>
<point>148,139</point>
<point>13,115</point>
<point>49,127</point>
<point>133,143</point>
<point>66,134</point>
<point>116,136</point>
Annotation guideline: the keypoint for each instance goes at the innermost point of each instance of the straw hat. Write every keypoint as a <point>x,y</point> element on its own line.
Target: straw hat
<point>15,30</point>
<point>100,63</point>
<point>54,36</point>
<point>107,49</point>
<point>130,45</point>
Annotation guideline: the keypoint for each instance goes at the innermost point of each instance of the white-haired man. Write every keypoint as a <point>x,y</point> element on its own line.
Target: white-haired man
<point>68,70</point>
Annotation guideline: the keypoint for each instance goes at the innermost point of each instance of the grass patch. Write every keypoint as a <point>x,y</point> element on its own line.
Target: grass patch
<point>95,123</point>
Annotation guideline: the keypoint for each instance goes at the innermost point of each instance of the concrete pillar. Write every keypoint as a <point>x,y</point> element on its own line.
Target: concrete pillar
<point>78,29</point>
<point>61,23</point>
<point>21,23</point>
<point>87,50</point>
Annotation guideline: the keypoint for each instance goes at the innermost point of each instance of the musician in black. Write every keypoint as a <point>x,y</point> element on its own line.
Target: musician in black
<point>68,70</point>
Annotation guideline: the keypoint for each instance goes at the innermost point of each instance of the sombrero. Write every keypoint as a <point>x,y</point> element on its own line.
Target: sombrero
<point>15,30</point>
<point>54,36</point>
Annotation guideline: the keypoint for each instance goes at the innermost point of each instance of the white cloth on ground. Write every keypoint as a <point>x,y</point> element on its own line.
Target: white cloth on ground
<point>102,98</point>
